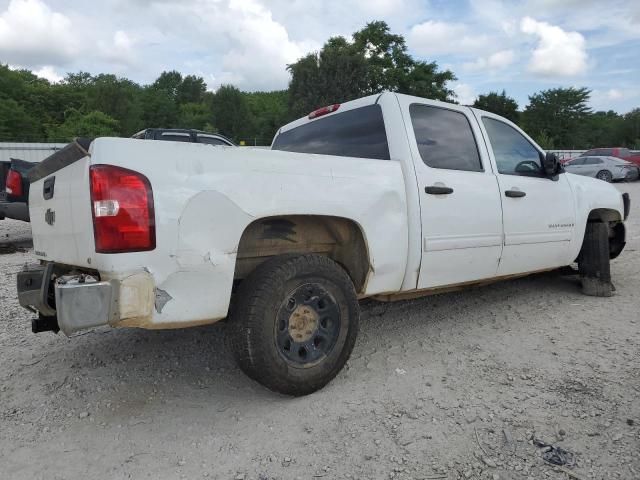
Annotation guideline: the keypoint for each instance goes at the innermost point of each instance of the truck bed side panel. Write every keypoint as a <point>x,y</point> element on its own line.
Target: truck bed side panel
<point>205,197</point>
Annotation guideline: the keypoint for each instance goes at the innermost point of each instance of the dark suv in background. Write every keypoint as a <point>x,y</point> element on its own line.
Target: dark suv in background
<point>184,135</point>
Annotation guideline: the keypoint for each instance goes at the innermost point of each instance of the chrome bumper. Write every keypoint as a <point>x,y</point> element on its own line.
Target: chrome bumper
<point>76,301</point>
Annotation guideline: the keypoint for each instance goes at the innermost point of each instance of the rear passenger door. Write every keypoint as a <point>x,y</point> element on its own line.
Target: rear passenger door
<point>459,195</point>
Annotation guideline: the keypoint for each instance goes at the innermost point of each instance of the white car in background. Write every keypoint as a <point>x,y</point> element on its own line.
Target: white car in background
<point>608,169</point>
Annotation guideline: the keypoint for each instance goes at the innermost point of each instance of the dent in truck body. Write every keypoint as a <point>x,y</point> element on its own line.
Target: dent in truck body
<point>135,299</point>
<point>197,259</point>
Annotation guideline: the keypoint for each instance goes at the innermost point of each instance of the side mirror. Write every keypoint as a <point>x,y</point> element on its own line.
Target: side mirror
<point>550,164</point>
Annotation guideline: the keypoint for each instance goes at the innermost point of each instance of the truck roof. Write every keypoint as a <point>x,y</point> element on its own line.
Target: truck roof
<point>350,105</point>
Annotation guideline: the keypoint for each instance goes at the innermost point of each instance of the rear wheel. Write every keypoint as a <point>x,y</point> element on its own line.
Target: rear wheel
<point>593,261</point>
<point>294,323</point>
<point>605,175</point>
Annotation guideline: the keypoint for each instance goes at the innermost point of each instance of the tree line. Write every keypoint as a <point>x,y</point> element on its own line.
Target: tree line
<point>372,61</point>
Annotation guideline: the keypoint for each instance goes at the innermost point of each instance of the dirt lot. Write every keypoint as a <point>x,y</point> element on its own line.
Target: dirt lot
<point>445,387</point>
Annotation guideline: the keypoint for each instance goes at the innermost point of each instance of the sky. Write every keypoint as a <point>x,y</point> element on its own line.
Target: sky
<point>521,46</point>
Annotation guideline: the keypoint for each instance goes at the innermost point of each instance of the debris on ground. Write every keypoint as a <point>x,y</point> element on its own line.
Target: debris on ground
<point>555,455</point>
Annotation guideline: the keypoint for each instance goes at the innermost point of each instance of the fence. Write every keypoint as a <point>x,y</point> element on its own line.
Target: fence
<point>567,154</point>
<point>30,152</point>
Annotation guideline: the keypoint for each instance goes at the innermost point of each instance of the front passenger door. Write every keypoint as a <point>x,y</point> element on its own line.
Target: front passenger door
<point>537,212</point>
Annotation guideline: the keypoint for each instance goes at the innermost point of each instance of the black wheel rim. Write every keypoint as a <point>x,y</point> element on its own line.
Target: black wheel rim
<point>307,325</point>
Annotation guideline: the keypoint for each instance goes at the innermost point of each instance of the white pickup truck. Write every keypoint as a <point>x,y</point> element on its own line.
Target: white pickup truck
<point>388,196</point>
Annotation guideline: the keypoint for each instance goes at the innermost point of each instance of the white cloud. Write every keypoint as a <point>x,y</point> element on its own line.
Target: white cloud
<point>615,94</point>
<point>495,61</point>
<point>32,34</point>
<point>435,37</point>
<point>466,93</point>
<point>249,42</point>
<point>558,53</point>
<point>379,8</point>
<point>620,98</point>
<point>261,46</point>
<point>49,73</point>
<point>247,46</point>
<point>120,50</point>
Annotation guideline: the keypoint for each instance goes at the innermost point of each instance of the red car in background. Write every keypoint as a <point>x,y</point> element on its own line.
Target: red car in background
<point>619,152</point>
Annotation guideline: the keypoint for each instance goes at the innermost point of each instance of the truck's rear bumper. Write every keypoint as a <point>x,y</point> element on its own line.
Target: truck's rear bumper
<point>75,301</point>
<point>15,210</point>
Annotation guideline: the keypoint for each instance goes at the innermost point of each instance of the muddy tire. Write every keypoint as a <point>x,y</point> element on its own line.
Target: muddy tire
<point>593,261</point>
<point>294,323</point>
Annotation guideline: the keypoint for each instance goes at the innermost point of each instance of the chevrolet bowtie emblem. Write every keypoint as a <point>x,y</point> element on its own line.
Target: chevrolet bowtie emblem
<point>50,216</point>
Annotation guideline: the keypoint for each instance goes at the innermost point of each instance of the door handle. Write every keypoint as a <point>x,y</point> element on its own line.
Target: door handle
<point>436,190</point>
<point>47,188</point>
<point>514,193</point>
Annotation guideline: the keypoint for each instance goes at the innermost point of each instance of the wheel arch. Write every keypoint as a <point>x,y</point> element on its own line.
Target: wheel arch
<point>617,229</point>
<point>341,239</point>
<point>604,215</point>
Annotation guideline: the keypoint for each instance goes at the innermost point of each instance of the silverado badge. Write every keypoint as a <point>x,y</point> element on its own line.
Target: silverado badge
<point>50,216</point>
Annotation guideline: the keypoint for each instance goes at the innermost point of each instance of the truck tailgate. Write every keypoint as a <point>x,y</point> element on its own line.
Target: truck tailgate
<point>60,206</point>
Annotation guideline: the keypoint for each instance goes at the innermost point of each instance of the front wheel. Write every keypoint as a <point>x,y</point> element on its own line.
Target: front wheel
<point>605,175</point>
<point>294,323</point>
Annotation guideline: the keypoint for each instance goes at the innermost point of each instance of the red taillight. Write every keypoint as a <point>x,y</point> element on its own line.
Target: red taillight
<point>13,185</point>
<point>324,110</point>
<point>122,207</point>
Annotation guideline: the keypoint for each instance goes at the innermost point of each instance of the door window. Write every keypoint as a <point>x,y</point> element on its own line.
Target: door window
<point>444,138</point>
<point>514,154</point>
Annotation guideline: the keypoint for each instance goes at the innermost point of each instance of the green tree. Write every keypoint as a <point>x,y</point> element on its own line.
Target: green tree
<point>119,98</point>
<point>376,60</point>
<point>194,115</point>
<point>334,75</point>
<point>16,124</point>
<point>191,90</point>
<point>603,129</point>
<point>269,112</point>
<point>168,82</point>
<point>559,114</point>
<point>631,129</point>
<point>545,141</point>
<point>498,103</point>
<point>159,110</point>
<point>231,114</point>
<point>92,124</point>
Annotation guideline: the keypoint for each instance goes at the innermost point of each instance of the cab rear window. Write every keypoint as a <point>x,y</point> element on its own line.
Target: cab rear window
<point>356,133</point>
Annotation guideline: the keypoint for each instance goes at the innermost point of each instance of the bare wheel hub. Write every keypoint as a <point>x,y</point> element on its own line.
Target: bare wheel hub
<point>307,325</point>
<point>303,323</point>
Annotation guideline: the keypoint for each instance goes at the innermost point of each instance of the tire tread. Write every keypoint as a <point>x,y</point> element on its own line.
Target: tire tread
<point>246,319</point>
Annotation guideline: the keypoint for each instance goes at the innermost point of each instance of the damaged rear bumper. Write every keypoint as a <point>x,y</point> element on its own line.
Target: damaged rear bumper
<point>72,301</point>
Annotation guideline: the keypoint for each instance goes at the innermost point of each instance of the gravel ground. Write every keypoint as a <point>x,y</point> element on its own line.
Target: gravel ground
<point>445,387</point>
